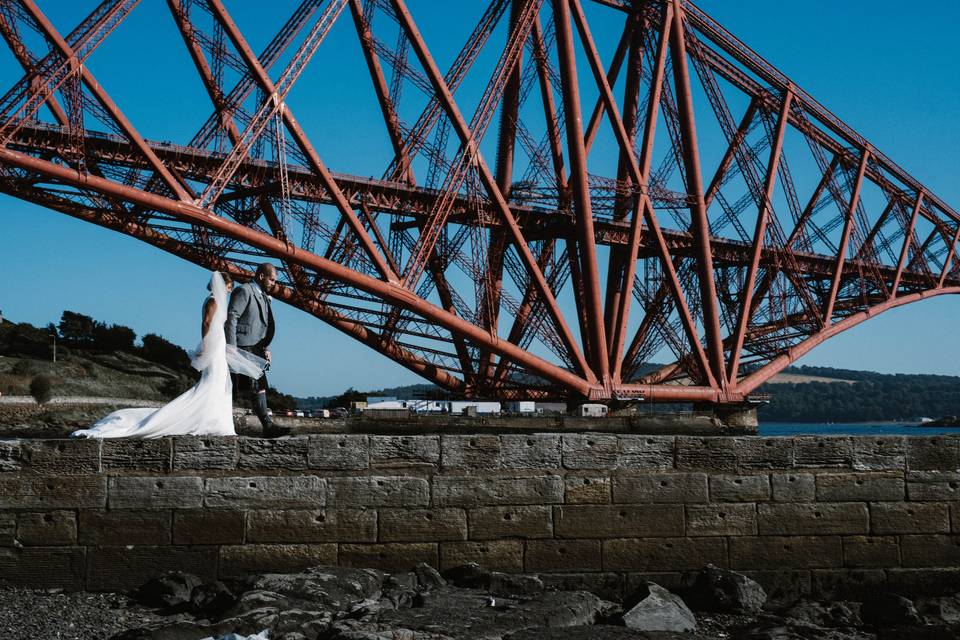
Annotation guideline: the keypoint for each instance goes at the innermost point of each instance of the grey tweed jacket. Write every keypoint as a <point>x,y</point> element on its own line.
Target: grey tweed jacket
<point>248,316</point>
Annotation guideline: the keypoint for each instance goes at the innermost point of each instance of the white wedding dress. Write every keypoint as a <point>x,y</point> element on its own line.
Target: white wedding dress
<point>204,409</point>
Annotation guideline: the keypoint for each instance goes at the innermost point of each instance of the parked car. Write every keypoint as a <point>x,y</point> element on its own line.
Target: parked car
<point>339,412</point>
<point>298,413</point>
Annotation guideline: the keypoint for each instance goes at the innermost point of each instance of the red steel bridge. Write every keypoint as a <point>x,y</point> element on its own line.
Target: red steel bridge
<point>584,187</point>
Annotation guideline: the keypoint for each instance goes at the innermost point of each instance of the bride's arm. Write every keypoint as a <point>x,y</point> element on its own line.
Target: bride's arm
<point>209,309</point>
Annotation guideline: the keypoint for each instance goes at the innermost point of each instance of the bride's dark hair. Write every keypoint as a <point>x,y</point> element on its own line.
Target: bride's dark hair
<point>227,279</point>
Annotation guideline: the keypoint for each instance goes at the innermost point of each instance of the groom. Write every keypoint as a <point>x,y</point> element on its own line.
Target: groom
<point>250,327</point>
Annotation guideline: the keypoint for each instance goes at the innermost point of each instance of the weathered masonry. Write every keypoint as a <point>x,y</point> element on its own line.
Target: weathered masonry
<point>820,514</point>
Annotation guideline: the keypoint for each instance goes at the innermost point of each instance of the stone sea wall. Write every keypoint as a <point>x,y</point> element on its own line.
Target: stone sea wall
<point>822,515</point>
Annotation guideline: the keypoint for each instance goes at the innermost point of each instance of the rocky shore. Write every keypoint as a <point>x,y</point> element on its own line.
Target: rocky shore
<point>464,603</point>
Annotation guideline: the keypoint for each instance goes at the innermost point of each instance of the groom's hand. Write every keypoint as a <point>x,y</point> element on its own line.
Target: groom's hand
<point>266,354</point>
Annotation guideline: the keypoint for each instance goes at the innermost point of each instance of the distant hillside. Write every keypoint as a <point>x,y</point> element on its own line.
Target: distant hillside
<point>99,360</point>
<point>799,394</point>
<point>866,396</point>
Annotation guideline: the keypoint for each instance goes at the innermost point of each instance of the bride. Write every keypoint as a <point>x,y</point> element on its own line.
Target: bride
<point>207,407</point>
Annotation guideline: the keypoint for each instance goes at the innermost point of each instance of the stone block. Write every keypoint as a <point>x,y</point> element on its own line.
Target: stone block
<point>127,567</point>
<point>534,451</point>
<point>496,555</point>
<point>75,492</point>
<point>669,487</point>
<point>590,451</point>
<point>242,560</point>
<point>642,453</point>
<point>316,525</point>
<point>871,551</point>
<point>470,452</point>
<point>208,526</point>
<point>722,519</point>
<point>40,568</point>
<point>794,518</point>
<point>8,528</point>
<point>205,452</point>
<point>739,488</point>
<point>932,453</point>
<point>909,517</point>
<point>823,452</point>
<point>379,491</point>
<point>847,584</point>
<point>49,529</point>
<point>928,581</point>
<point>398,451</point>
<point>273,453</point>
<point>793,487</point>
<point>878,453</point>
<point>493,523</point>
<point>273,492</point>
<point>553,556</point>
<point>422,525</point>
<point>338,451</point>
<point>868,487</point>
<point>933,486</point>
<point>618,521</point>
<point>930,550</point>
<point>61,457</point>
<point>472,491</point>
<point>394,556</point>
<point>955,517</point>
<point>163,492</point>
<point>663,554</point>
<point>137,455</point>
<point>764,452</point>
<point>587,489</point>
<point>785,552</point>
<point>714,454</point>
<point>9,456</point>
<point>124,527</point>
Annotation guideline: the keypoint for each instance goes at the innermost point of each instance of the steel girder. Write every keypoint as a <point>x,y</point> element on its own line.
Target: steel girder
<point>585,248</point>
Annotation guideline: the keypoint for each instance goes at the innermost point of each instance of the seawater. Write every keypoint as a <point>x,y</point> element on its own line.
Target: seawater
<point>851,429</point>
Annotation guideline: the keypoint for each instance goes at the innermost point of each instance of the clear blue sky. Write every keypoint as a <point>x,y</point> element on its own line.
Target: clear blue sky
<point>891,76</point>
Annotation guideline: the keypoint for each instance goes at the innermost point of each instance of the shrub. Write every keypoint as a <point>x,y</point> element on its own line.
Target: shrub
<point>26,368</point>
<point>162,351</point>
<point>41,388</point>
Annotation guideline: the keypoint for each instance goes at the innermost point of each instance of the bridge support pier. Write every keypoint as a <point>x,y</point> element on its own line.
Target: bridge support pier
<point>741,417</point>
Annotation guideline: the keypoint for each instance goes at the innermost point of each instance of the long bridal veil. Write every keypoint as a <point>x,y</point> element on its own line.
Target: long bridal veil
<point>204,409</point>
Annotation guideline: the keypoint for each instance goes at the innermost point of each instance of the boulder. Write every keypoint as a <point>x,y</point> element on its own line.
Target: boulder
<point>598,632</point>
<point>659,610</point>
<point>470,614</point>
<point>824,614</point>
<point>468,576</point>
<point>428,578</point>
<point>211,600</point>
<point>169,591</point>
<point>887,609</point>
<point>724,591</point>
<point>514,584</point>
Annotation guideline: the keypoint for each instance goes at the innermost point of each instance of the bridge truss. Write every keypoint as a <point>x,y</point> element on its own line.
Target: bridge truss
<point>589,185</point>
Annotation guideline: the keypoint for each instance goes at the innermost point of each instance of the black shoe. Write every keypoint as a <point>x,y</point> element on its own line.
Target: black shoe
<point>273,431</point>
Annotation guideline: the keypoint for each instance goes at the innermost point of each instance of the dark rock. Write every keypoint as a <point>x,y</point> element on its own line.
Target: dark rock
<point>514,584</point>
<point>385,632</point>
<point>468,576</point>
<point>659,610</point>
<point>888,609</point>
<point>334,588</point>
<point>465,614</point>
<point>599,632</point>
<point>936,610</point>
<point>767,631</point>
<point>721,590</point>
<point>925,632</point>
<point>428,578</point>
<point>169,591</point>
<point>211,600</point>
<point>825,614</point>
